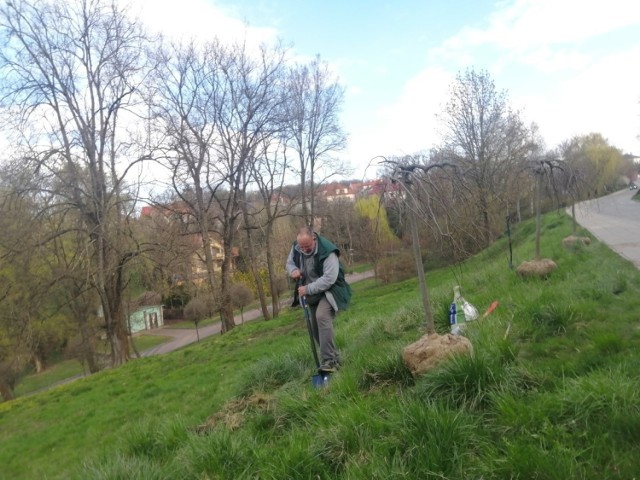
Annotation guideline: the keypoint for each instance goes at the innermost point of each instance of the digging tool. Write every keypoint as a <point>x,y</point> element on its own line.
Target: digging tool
<point>321,379</point>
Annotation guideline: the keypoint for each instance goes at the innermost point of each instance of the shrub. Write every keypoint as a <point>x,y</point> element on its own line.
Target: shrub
<point>396,268</point>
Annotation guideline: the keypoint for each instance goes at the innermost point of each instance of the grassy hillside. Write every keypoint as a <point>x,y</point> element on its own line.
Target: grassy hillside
<point>551,392</point>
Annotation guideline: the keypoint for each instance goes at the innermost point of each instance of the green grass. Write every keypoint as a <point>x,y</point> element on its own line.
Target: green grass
<point>57,373</point>
<point>551,390</point>
<point>147,341</point>
<point>67,369</point>
<point>188,324</point>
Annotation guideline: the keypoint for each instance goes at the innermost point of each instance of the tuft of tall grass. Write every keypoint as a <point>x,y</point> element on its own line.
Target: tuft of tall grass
<point>588,420</point>
<point>124,467</point>
<point>470,381</point>
<point>548,315</point>
<point>157,440</point>
<point>384,371</point>
<point>607,343</point>
<point>272,372</point>
<point>534,456</point>
<point>221,455</point>
<point>296,457</point>
<point>438,441</point>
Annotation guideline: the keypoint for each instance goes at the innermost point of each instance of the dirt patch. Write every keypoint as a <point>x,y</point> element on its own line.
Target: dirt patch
<point>572,240</point>
<point>536,268</point>
<point>233,414</point>
<point>432,349</point>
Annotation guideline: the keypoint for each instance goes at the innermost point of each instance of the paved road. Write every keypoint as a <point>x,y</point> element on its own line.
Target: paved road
<point>614,220</point>
<point>185,336</point>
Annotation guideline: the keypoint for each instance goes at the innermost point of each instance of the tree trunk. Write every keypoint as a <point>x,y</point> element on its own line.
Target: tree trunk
<point>275,295</point>
<point>226,307</point>
<point>6,391</point>
<point>538,219</point>
<point>253,264</point>
<point>117,331</point>
<point>38,363</point>
<point>87,351</point>
<point>426,302</point>
<point>303,193</point>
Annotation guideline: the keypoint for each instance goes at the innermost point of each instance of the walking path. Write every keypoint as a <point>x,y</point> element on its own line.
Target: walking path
<point>185,336</point>
<point>614,220</point>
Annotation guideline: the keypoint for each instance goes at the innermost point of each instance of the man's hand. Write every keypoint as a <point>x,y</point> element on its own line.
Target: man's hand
<point>296,274</point>
<point>302,291</point>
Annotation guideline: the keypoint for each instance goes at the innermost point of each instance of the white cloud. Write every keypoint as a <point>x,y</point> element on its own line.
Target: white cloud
<point>603,98</point>
<point>546,33</point>
<point>187,19</point>
<point>406,126</point>
<point>525,24</point>
<point>539,49</point>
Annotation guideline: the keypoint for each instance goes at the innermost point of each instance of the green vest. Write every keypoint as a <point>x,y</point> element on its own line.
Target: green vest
<point>340,290</point>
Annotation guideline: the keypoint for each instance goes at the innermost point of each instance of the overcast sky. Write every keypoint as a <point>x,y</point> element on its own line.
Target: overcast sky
<point>570,66</point>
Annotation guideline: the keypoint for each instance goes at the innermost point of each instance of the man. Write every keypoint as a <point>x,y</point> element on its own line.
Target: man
<point>314,264</point>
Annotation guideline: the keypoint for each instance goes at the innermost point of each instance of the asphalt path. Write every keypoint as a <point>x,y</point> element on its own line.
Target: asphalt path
<point>614,220</point>
<point>181,337</point>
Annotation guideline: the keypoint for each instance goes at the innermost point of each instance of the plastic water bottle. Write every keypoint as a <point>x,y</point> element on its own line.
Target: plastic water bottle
<point>459,301</point>
<point>453,319</point>
<point>464,311</point>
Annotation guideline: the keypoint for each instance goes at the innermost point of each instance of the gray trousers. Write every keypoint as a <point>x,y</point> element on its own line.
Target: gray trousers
<point>322,316</point>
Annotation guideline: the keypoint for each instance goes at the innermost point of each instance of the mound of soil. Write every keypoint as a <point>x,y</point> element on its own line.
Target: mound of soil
<point>536,268</point>
<point>572,240</point>
<point>432,349</point>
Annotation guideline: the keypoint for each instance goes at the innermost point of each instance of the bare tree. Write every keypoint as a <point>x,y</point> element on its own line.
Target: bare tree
<point>250,224</point>
<point>200,308</point>
<point>373,235</point>
<point>241,296</point>
<point>341,223</point>
<point>218,105</point>
<point>269,174</point>
<point>251,114</point>
<point>184,107</point>
<point>411,174</point>
<point>312,125</point>
<point>488,141</point>
<point>71,71</point>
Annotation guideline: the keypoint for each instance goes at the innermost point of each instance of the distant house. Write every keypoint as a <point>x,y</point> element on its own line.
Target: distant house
<point>351,190</point>
<point>339,191</point>
<point>193,268</point>
<point>146,313</point>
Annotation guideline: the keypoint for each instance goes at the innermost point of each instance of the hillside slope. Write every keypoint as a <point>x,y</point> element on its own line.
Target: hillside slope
<point>551,390</point>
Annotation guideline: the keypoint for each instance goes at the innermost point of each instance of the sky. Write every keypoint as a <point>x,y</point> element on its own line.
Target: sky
<point>570,66</point>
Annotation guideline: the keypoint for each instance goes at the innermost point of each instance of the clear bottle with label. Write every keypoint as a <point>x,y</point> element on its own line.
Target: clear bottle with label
<point>463,312</point>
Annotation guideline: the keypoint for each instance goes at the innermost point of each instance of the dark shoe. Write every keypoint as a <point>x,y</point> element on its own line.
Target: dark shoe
<point>326,369</point>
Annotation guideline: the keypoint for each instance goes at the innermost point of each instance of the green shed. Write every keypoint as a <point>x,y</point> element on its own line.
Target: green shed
<point>146,313</point>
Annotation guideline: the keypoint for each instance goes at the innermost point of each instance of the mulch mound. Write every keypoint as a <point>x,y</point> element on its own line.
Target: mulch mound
<point>536,268</point>
<point>573,239</point>
<point>432,349</point>
<point>233,414</point>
